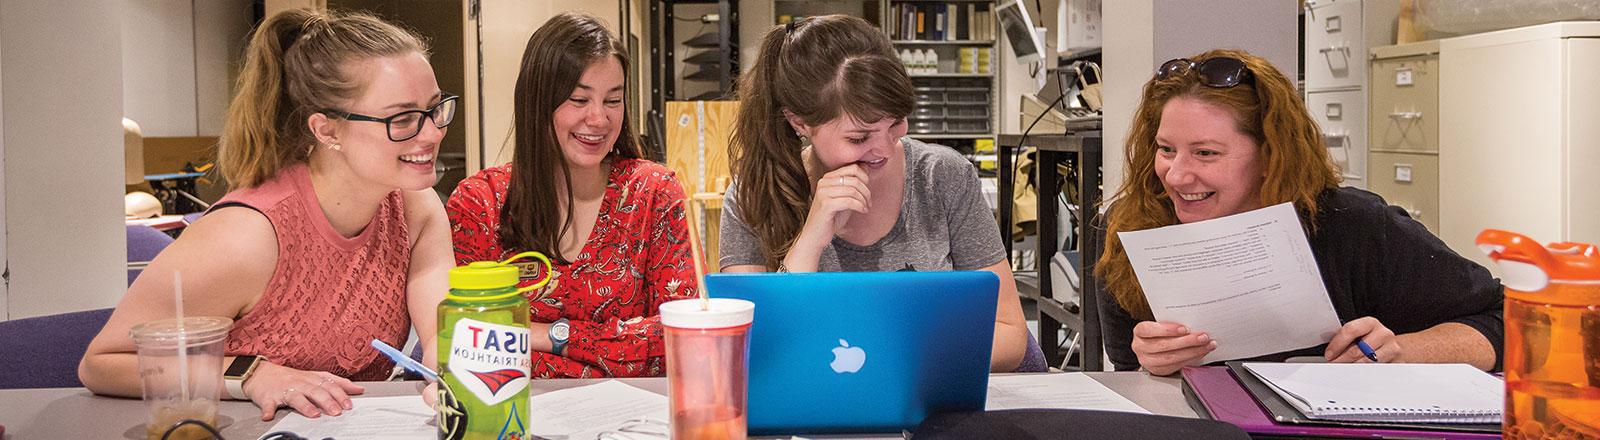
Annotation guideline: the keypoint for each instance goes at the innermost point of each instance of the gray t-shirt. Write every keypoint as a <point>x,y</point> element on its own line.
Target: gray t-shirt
<point>944,223</point>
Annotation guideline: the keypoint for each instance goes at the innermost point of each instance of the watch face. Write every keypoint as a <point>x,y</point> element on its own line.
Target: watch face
<point>560,331</point>
<point>240,365</point>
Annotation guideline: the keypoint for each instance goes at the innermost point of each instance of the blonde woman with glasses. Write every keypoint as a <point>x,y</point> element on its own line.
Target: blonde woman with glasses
<point>332,235</point>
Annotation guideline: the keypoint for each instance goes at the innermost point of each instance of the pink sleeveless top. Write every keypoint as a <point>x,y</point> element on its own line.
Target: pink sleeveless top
<point>330,296</point>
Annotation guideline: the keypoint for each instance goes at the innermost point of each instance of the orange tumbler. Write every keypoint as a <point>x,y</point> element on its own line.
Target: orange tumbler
<point>1552,346</point>
<point>708,358</point>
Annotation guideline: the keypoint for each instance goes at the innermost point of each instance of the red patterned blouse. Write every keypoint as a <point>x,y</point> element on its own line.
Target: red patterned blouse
<point>636,258</point>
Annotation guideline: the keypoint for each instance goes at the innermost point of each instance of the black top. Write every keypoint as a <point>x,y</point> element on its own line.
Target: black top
<point>1375,261</point>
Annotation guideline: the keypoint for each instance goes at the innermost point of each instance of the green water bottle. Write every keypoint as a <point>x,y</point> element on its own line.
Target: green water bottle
<point>483,351</point>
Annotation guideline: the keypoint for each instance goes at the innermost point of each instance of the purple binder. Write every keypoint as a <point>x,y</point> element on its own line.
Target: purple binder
<point>1227,401</point>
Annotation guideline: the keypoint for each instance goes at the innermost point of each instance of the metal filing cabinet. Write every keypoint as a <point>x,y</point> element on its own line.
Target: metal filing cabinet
<point>1403,128</point>
<point>1337,35</point>
<point>1342,116</point>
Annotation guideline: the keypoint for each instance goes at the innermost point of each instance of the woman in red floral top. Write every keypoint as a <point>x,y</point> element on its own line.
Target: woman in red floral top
<point>577,191</point>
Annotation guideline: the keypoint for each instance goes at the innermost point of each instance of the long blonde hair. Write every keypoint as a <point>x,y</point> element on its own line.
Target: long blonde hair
<point>817,68</point>
<point>1270,111</point>
<point>295,65</point>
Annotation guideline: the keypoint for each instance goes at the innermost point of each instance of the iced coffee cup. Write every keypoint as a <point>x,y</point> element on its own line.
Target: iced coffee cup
<point>180,367</point>
<point>708,354</point>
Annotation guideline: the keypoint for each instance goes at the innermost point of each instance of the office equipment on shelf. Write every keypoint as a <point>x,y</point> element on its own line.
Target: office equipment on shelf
<point>849,352</point>
<point>177,192</point>
<point>706,65</point>
<point>1054,149</point>
<point>1018,27</point>
<point>1415,393</point>
<point>1225,394</point>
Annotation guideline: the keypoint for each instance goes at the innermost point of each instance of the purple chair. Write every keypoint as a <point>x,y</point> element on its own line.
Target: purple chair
<point>144,243</point>
<point>1033,360</point>
<point>43,352</point>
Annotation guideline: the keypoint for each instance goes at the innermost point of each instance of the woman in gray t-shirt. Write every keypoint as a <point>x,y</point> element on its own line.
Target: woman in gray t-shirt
<point>825,179</point>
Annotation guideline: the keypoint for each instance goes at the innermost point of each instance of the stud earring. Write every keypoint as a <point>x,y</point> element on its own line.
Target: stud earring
<point>335,147</point>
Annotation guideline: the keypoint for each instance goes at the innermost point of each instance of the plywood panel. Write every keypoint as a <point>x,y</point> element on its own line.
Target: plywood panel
<point>164,155</point>
<point>697,150</point>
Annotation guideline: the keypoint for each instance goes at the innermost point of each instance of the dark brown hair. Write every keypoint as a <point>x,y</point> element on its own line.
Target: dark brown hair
<point>818,68</point>
<point>295,64</point>
<point>1293,159</point>
<point>555,59</point>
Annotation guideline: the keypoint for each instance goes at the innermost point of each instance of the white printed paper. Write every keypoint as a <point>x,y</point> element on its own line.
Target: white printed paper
<point>1248,280</point>
<point>376,418</point>
<point>584,412</point>
<point>1055,391</point>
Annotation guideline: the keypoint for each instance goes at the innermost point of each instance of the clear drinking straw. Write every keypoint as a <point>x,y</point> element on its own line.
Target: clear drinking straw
<point>183,346</point>
<point>694,250</point>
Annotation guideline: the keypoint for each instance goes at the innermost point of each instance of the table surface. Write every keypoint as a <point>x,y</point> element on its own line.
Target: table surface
<point>75,413</point>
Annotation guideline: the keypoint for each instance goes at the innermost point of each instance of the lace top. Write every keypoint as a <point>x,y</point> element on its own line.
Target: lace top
<point>330,296</point>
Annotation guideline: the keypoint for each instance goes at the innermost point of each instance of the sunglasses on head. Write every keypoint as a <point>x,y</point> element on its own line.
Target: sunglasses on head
<point>1220,72</point>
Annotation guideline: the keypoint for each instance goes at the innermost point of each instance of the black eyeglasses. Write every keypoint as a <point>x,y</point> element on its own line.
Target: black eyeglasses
<point>1220,72</point>
<point>407,124</point>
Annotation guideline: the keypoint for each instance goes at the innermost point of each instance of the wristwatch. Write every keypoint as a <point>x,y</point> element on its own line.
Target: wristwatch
<point>237,372</point>
<point>559,331</point>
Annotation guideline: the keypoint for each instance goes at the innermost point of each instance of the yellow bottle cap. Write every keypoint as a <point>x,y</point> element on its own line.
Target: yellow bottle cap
<point>492,275</point>
<point>483,275</point>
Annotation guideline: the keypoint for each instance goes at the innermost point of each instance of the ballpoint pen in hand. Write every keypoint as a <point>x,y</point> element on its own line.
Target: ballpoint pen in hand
<point>1365,349</point>
<point>405,361</point>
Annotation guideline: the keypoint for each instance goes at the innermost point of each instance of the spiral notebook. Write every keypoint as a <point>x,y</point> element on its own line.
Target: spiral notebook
<point>1407,393</point>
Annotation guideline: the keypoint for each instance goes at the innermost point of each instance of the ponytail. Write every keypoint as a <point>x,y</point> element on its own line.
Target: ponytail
<point>765,152</point>
<point>287,77</point>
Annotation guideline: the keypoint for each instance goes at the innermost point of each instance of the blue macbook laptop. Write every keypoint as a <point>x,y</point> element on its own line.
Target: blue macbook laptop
<point>854,352</point>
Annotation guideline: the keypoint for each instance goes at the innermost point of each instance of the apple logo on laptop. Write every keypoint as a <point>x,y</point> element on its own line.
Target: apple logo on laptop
<point>847,359</point>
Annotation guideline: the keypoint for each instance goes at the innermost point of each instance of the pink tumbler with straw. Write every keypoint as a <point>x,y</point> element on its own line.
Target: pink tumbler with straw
<point>708,358</point>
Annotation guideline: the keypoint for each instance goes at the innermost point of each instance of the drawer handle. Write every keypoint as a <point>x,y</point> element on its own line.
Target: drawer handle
<point>1325,50</point>
<point>1406,115</point>
<point>1342,138</point>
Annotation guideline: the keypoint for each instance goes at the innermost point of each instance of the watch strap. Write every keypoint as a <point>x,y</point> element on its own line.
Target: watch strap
<point>235,384</point>
<point>558,345</point>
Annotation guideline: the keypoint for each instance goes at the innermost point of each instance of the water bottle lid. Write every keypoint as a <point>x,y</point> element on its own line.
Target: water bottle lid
<point>489,275</point>
<point>722,313</point>
<point>1528,266</point>
<point>483,275</point>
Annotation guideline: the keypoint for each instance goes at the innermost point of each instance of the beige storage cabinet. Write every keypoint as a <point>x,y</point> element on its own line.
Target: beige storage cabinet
<point>1520,130</point>
<point>1403,128</point>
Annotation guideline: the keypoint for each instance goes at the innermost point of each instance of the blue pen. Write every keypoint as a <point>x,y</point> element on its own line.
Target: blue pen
<point>407,363</point>
<point>1365,349</point>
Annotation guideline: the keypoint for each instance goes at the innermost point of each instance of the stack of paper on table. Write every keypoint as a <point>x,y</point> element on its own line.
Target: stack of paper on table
<point>580,412</point>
